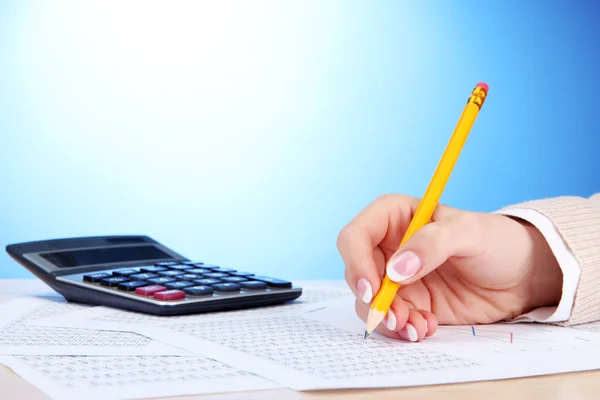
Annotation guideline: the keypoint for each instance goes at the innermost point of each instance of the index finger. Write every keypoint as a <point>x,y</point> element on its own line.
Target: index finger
<point>370,238</point>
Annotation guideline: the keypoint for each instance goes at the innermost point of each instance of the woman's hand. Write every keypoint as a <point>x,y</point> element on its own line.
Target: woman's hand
<point>462,268</point>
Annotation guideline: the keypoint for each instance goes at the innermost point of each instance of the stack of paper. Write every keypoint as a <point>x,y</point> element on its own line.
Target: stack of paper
<point>67,361</point>
<point>314,343</point>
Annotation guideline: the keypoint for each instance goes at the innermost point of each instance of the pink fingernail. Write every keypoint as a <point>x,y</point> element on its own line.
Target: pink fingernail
<point>403,266</point>
<point>409,333</point>
<point>364,290</point>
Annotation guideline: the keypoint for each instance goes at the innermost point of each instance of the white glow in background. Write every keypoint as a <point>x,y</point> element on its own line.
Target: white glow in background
<point>219,128</point>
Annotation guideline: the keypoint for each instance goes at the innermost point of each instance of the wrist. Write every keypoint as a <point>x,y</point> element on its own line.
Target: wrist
<point>546,278</point>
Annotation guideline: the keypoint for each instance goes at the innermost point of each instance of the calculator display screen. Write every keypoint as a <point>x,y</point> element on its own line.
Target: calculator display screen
<point>105,255</point>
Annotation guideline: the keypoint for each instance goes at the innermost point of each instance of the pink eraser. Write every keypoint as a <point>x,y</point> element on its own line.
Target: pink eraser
<point>483,85</point>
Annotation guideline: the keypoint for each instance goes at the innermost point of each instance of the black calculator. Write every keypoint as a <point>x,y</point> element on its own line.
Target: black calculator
<point>140,274</point>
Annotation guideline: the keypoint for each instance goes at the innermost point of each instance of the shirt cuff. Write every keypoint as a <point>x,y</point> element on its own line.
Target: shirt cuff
<point>566,260</point>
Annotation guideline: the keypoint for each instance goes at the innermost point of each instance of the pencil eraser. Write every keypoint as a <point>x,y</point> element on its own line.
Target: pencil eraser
<point>483,85</point>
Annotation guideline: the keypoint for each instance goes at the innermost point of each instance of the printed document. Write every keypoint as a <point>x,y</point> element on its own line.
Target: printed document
<point>18,337</point>
<point>131,377</point>
<point>321,345</point>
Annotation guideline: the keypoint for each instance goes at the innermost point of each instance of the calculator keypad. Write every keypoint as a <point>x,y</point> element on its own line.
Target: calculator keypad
<point>168,281</point>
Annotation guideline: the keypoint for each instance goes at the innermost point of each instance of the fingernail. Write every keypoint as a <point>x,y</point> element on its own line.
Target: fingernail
<point>364,290</point>
<point>390,321</point>
<point>409,333</point>
<point>403,266</point>
<point>426,328</point>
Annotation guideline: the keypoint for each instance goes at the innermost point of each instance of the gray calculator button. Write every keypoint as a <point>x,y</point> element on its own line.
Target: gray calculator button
<point>96,277</point>
<point>178,285</point>
<point>207,281</point>
<point>198,290</point>
<point>254,285</point>
<point>233,279</point>
<point>160,281</point>
<point>125,272</point>
<point>171,273</point>
<point>226,287</point>
<point>152,269</point>
<point>277,283</point>
<point>143,277</point>
<point>114,281</point>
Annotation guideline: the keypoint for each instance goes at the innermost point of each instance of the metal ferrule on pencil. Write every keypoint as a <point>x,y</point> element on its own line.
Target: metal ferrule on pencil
<point>477,97</point>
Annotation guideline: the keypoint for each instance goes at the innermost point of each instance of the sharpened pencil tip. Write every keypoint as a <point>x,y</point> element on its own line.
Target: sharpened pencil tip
<point>366,334</point>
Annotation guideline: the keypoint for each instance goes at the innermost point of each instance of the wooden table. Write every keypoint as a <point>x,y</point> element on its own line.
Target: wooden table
<point>582,385</point>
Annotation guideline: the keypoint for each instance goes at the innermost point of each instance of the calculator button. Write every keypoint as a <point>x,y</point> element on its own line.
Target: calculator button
<point>125,272</point>
<point>160,281</point>
<point>216,275</point>
<point>142,277</point>
<point>278,283</point>
<point>210,266</point>
<point>198,290</point>
<point>181,267</point>
<point>98,276</point>
<point>255,285</point>
<point>166,263</point>
<point>152,269</point>
<point>149,290</point>
<point>199,271</point>
<point>241,273</point>
<point>114,281</point>
<point>170,273</point>
<point>226,287</point>
<point>178,285</point>
<point>219,269</point>
<point>234,279</point>
<point>207,281</point>
<point>131,286</point>
<point>189,277</point>
<point>189,263</point>
<point>170,295</point>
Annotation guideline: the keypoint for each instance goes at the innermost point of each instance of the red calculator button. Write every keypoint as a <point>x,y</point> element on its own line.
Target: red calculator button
<point>170,295</point>
<point>149,290</point>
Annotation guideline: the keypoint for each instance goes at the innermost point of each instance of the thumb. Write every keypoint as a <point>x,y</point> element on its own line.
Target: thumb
<point>432,245</point>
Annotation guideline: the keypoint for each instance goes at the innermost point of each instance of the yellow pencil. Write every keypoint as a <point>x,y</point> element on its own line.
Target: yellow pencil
<point>429,202</point>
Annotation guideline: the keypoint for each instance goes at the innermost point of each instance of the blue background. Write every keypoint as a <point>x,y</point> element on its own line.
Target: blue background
<point>248,134</point>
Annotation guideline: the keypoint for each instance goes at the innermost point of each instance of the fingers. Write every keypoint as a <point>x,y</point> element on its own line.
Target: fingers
<point>433,244</point>
<point>431,322</point>
<point>402,321</point>
<point>359,242</point>
<point>397,315</point>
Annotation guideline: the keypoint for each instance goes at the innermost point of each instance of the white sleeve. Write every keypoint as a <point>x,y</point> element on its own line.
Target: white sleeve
<point>566,260</point>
